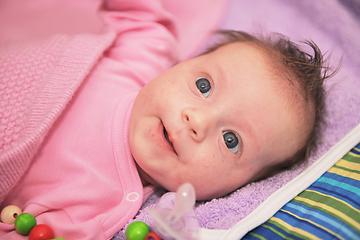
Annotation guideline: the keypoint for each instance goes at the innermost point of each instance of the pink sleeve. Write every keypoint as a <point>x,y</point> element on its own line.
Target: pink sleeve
<point>146,36</point>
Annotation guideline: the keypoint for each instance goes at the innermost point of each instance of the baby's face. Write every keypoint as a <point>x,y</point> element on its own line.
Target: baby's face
<point>215,121</point>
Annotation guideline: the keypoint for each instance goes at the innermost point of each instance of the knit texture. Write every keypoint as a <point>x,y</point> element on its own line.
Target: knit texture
<point>37,80</point>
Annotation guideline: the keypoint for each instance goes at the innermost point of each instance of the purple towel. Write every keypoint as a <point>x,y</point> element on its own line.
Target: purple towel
<point>334,25</point>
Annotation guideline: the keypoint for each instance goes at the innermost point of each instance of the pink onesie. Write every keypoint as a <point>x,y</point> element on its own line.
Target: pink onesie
<point>82,180</point>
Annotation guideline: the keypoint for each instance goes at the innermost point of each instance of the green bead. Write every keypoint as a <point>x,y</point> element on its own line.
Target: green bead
<point>137,231</point>
<point>24,223</point>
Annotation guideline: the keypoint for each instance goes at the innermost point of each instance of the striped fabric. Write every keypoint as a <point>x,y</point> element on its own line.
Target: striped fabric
<point>328,209</point>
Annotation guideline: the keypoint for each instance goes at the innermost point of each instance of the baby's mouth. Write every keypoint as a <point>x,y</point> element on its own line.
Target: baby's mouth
<point>168,139</point>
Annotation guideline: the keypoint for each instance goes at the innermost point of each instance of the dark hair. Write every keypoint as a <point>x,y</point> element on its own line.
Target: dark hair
<point>308,71</point>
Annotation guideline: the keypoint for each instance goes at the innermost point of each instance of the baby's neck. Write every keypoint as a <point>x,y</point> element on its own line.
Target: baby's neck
<point>141,175</point>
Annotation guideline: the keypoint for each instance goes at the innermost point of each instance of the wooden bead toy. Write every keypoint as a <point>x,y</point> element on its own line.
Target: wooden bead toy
<point>25,224</point>
<point>9,214</point>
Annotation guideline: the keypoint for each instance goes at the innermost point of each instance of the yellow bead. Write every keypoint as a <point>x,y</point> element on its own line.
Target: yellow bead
<point>9,214</point>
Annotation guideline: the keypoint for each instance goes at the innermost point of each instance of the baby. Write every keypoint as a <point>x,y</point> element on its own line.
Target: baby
<point>242,111</point>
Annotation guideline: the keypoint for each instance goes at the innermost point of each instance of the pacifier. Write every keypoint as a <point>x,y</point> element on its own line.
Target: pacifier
<point>174,215</point>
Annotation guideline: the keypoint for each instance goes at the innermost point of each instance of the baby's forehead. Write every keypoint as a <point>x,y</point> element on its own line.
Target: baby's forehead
<point>266,60</point>
<point>240,49</point>
<point>237,54</point>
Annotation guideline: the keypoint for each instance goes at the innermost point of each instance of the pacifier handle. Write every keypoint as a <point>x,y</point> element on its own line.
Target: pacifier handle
<point>185,200</point>
<point>174,217</point>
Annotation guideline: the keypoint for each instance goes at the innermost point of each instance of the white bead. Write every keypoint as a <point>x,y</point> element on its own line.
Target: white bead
<point>9,214</point>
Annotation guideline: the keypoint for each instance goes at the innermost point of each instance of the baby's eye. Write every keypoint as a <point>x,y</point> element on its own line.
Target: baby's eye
<point>204,86</point>
<point>231,141</point>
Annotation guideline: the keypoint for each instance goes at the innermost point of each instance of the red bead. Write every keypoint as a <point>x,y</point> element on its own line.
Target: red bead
<point>41,232</point>
<point>152,236</point>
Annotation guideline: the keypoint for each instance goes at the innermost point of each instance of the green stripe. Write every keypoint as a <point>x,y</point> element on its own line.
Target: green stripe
<point>323,198</point>
<point>258,236</point>
<point>340,206</point>
<point>276,231</point>
<point>288,231</point>
<point>331,201</point>
<point>352,158</point>
<point>347,169</point>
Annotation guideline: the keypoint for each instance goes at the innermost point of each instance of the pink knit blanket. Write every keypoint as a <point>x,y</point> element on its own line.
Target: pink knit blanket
<point>37,80</point>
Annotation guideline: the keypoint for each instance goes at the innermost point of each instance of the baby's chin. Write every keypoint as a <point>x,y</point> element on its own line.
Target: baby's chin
<point>208,193</point>
<point>201,192</point>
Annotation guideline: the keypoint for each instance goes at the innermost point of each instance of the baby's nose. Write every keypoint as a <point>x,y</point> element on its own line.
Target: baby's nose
<point>196,122</point>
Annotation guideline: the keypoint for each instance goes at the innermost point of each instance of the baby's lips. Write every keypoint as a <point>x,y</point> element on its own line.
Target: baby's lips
<point>183,149</point>
<point>171,142</point>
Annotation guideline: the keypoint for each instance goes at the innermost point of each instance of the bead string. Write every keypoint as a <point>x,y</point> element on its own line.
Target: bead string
<point>26,225</point>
